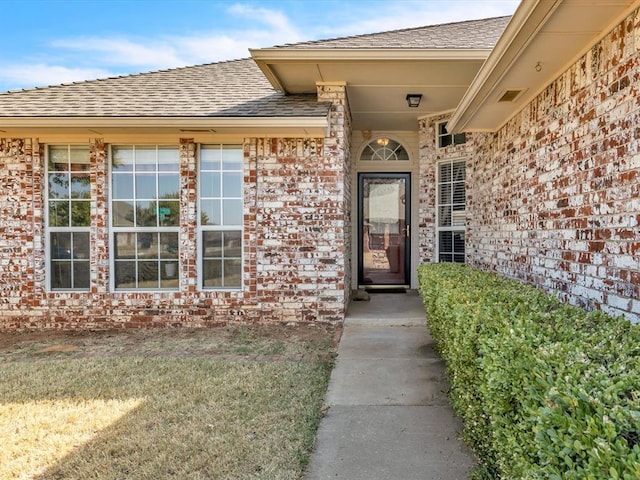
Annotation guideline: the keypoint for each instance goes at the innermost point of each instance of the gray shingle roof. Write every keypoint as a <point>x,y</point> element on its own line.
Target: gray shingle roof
<point>471,34</point>
<point>228,89</point>
<point>235,88</point>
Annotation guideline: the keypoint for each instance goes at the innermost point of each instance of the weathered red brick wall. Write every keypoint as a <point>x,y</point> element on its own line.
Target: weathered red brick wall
<point>295,241</point>
<point>556,191</point>
<point>21,229</point>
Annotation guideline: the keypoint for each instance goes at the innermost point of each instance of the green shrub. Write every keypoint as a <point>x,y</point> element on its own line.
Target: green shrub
<point>545,390</point>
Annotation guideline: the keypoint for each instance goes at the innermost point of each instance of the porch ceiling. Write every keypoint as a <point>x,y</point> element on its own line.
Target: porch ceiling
<point>378,81</point>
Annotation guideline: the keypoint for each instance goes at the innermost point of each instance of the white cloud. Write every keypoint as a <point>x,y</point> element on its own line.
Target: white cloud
<point>275,20</point>
<point>121,51</point>
<point>42,75</point>
<point>271,27</point>
<point>416,14</point>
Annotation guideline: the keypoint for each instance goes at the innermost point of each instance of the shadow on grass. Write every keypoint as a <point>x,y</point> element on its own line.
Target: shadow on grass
<point>190,418</point>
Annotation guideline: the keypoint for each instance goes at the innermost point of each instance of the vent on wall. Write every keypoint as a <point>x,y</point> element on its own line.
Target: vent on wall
<point>511,95</point>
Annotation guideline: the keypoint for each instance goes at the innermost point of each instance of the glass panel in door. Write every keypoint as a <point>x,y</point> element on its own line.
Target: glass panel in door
<point>384,229</point>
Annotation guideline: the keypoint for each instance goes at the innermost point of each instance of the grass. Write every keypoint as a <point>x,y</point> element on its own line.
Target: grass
<point>234,403</point>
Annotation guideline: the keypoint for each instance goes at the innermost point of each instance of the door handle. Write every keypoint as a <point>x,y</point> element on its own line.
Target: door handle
<point>407,231</point>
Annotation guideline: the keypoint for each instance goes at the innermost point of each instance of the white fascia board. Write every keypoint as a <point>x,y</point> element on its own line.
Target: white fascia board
<point>275,55</point>
<point>164,122</point>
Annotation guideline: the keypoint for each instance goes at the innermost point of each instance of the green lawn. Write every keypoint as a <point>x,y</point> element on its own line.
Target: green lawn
<point>187,404</point>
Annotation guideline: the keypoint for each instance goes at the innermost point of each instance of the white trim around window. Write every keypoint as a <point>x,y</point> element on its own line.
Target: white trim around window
<point>68,217</point>
<point>451,202</point>
<point>145,217</point>
<point>220,217</point>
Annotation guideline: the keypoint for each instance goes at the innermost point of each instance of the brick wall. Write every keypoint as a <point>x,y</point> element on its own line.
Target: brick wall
<point>556,191</point>
<point>295,241</point>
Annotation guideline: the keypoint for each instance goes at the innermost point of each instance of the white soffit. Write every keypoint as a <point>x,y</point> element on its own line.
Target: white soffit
<point>541,41</point>
<point>378,80</point>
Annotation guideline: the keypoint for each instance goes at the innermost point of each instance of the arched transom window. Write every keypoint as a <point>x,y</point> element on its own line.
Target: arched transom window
<point>384,150</point>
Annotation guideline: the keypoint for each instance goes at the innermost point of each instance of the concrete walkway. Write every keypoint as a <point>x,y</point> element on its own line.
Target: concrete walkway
<point>388,415</point>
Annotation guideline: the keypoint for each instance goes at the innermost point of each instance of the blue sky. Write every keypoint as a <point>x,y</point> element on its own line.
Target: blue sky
<point>48,42</point>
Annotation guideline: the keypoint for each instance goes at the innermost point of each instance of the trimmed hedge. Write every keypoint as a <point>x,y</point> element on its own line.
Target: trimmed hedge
<point>545,390</point>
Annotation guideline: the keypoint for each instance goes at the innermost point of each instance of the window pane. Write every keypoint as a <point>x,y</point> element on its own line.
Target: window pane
<point>232,157</point>
<point>169,245</point>
<point>147,245</point>
<point>81,274</point>
<point>459,171</point>
<point>125,274</point>
<point>59,214</point>
<point>212,275</point>
<point>59,185</point>
<point>123,215</point>
<point>60,274</point>
<point>122,186</point>
<point>232,212</point>
<point>459,193</point>
<point>122,159</point>
<point>210,158</point>
<point>125,245</point>
<point>168,186</point>
<point>446,241</point>
<point>81,245</point>
<point>233,244</point>
<point>458,242</point>
<point>148,274</point>
<point>146,214</point>
<point>80,213</point>
<point>168,159</point>
<point>80,185</point>
<point>212,244</point>
<point>460,138</point>
<point>145,186</point>
<point>168,274</point>
<point>145,159</point>
<point>451,247</point>
<point>445,193</point>
<point>210,184</point>
<point>444,216</point>
<point>80,157</point>
<point>445,173</point>
<point>60,245</point>
<point>169,213</point>
<point>232,184</point>
<point>232,273</point>
<point>210,213</point>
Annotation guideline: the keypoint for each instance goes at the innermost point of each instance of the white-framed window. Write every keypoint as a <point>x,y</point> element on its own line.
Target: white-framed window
<point>145,217</point>
<point>68,193</point>
<point>451,210</point>
<point>446,139</point>
<point>384,150</point>
<point>221,216</point>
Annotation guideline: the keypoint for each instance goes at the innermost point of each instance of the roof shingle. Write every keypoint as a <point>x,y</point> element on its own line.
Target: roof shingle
<point>471,34</point>
<point>227,89</point>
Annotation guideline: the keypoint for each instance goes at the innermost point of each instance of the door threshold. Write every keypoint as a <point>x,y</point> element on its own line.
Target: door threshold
<point>385,288</point>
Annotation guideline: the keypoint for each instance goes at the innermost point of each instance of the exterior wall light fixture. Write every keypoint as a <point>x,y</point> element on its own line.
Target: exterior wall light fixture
<point>413,99</point>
